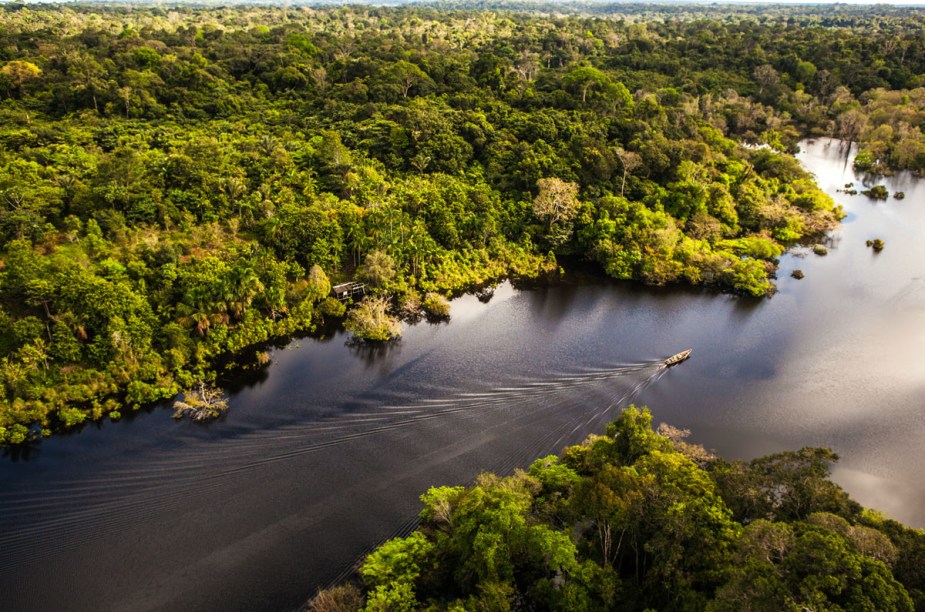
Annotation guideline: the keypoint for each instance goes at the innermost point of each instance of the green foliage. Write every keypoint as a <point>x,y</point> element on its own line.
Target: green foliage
<point>877,192</point>
<point>756,247</point>
<point>436,305</point>
<point>864,161</point>
<point>318,286</point>
<point>749,277</point>
<point>378,268</point>
<point>626,521</point>
<point>15,434</point>
<point>784,486</point>
<point>809,564</point>
<point>332,307</point>
<point>632,436</point>
<point>370,321</point>
<point>176,189</point>
<point>390,572</point>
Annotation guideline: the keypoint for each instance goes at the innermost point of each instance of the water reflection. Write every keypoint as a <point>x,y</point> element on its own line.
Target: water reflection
<point>375,354</point>
<point>26,451</point>
<point>324,453</point>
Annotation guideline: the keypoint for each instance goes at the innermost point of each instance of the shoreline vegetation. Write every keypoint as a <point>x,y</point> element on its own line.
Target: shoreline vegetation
<point>201,403</point>
<point>178,185</point>
<point>641,519</point>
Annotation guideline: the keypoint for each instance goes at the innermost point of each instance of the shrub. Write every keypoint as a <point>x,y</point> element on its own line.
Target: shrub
<point>410,306</point>
<point>332,307</point>
<point>341,598</point>
<point>71,417</point>
<point>436,305</point>
<point>864,161</point>
<point>370,321</point>
<point>877,192</point>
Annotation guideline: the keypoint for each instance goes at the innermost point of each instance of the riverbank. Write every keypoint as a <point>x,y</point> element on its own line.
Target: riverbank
<point>325,453</point>
<point>173,211</point>
<point>639,519</point>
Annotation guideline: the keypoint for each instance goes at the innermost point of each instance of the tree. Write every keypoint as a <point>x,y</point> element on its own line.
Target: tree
<point>783,486</point>
<point>17,73</point>
<point>370,320</point>
<point>88,76</point>
<point>851,124</point>
<point>768,80</point>
<point>241,287</point>
<point>619,96</point>
<point>436,305</point>
<point>805,71</point>
<point>199,315</point>
<point>527,65</point>
<point>378,268</point>
<point>309,233</point>
<point>319,286</point>
<point>630,161</point>
<point>416,135</point>
<point>341,598</point>
<point>807,565</point>
<point>556,205</point>
<point>201,403</point>
<point>584,79</point>
<point>406,75</point>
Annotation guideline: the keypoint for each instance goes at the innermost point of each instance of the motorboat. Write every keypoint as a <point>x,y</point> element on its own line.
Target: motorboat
<point>676,359</point>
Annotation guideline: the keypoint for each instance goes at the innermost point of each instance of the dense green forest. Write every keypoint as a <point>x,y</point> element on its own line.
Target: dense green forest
<point>180,185</point>
<point>639,520</point>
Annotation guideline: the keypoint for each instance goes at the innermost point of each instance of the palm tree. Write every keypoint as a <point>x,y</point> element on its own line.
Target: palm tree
<point>232,188</point>
<point>267,145</point>
<point>199,315</point>
<point>242,286</point>
<point>420,245</point>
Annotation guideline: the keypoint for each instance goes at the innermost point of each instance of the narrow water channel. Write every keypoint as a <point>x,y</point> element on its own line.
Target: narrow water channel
<point>325,455</point>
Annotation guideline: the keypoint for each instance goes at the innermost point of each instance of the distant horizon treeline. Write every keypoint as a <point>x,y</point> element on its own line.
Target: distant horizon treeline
<point>179,185</point>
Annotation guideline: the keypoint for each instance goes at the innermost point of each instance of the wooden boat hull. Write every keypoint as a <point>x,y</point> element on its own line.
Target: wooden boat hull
<point>676,359</point>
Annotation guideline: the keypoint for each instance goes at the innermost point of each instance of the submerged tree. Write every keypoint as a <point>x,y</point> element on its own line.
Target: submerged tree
<point>371,321</point>
<point>203,402</point>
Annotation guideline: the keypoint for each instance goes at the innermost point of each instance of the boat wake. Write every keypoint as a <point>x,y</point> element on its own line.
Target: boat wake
<point>541,415</point>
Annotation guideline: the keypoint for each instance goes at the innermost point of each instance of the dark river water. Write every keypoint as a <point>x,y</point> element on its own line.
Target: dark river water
<point>326,454</point>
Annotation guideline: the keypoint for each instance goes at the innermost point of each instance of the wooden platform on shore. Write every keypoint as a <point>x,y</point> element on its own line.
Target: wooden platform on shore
<point>347,291</point>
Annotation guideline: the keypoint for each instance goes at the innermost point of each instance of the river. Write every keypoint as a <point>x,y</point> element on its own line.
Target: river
<point>325,453</point>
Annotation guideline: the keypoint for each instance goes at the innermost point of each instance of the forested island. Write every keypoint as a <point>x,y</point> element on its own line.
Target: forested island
<point>180,185</point>
<point>643,520</point>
